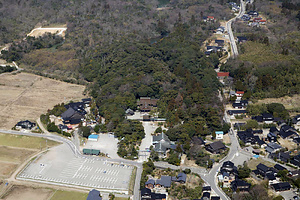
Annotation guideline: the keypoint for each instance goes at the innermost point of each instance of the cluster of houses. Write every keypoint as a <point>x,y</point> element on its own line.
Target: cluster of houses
<point>234,6</point>
<point>156,189</point>
<point>25,125</point>
<point>253,19</point>
<point>206,194</point>
<point>219,44</point>
<point>270,173</point>
<point>228,177</point>
<point>209,19</point>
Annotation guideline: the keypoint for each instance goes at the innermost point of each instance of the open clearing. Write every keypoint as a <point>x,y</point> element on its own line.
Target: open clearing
<point>28,193</point>
<point>27,96</point>
<point>254,162</point>
<point>37,32</point>
<point>22,141</point>
<point>68,195</point>
<point>288,102</point>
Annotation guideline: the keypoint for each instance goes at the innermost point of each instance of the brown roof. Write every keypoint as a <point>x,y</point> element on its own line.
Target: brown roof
<point>146,103</point>
<point>220,74</point>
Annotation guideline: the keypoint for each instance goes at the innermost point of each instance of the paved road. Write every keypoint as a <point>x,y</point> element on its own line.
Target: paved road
<point>149,128</point>
<point>77,153</point>
<point>233,45</point>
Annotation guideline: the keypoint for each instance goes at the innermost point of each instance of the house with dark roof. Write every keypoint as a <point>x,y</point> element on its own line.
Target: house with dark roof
<point>73,115</point>
<point>296,140</point>
<point>274,130</point>
<point>240,104</point>
<point>240,185</point>
<point>259,119</point>
<point>164,181</point>
<point>146,194</point>
<point>296,120</point>
<point>150,184</point>
<point>273,147</point>
<point>272,137</point>
<point>206,196</point>
<point>296,160</point>
<point>237,112</point>
<point>25,125</point>
<point>228,166</point>
<point>268,118</point>
<point>146,104</point>
<point>215,147</point>
<point>253,13</point>
<point>206,188</point>
<point>94,195</point>
<point>220,42</point>
<point>242,39</point>
<point>284,156</point>
<point>279,167</point>
<point>262,169</point>
<point>288,134</point>
<point>181,177</point>
<point>162,144</point>
<point>278,187</point>
<point>86,101</point>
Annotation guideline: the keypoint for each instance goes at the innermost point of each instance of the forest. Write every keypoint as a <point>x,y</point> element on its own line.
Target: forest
<point>268,64</point>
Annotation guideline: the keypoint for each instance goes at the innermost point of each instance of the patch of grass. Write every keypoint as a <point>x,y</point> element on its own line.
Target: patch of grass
<point>132,180</point>
<point>69,195</point>
<point>259,53</point>
<point>254,162</point>
<point>22,141</point>
<point>121,198</point>
<point>14,155</point>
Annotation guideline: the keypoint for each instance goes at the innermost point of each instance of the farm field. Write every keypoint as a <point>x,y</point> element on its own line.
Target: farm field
<point>27,96</point>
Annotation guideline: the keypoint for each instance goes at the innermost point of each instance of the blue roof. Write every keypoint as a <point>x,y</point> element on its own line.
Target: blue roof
<point>219,132</point>
<point>93,136</point>
<point>256,156</point>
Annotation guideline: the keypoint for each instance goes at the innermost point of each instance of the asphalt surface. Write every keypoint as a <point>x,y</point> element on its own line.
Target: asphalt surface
<point>233,45</point>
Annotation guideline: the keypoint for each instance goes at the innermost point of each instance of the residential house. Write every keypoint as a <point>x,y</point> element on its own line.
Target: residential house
<point>259,119</point>
<point>198,140</point>
<point>227,179</point>
<point>205,196</point>
<point>237,112</point>
<point>129,112</point>
<point>86,101</point>
<point>228,166</point>
<point>294,174</point>
<point>296,160</point>
<point>278,187</point>
<point>94,195</point>
<point>262,21</point>
<point>263,170</point>
<point>146,104</point>
<point>268,118</point>
<point>181,178</point>
<point>72,115</point>
<point>232,93</point>
<point>245,18</point>
<point>146,194</point>
<point>219,135</point>
<point>273,147</point>
<point>239,93</point>
<point>287,132</point>
<point>240,185</point>
<point>25,125</point>
<point>162,144</point>
<point>220,42</point>
<point>247,137</point>
<point>274,130</point>
<point>164,181</point>
<point>284,156</point>
<point>215,147</point>
<point>206,189</point>
<point>240,104</point>
<point>279,167</point>
<point>272,137</point>
<point>210,18</point>
<point>150,184</point>
<point>242,39</point>
<point>222,75</point>
<point>296,120</point>
<point>296,140</point>
<point>63,127</point>
<point>253,13</point>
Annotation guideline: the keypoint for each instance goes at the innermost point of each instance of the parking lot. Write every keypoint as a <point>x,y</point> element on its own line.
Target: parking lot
<point>64,168</point>
<point>106,143</point>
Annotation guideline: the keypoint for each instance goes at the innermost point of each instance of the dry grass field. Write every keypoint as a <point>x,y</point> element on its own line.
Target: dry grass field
<point>28,193</point>
<point>288,102</point>
<point>27,96</point>
<point>37,32</point>
<point>254,162</point>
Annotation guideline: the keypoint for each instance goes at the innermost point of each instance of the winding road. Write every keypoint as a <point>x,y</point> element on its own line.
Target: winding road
<point>233,45</point>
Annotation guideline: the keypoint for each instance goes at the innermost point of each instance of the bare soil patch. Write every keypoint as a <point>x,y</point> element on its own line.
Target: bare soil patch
<point>27,193</point>
<point>15,155</point>
<point>7,169</point>
<point>53,30</point>
<point>27,96</point>
<point>290,145</point>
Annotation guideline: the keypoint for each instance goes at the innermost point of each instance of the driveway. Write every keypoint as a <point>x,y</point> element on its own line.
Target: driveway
<point>149,128</point>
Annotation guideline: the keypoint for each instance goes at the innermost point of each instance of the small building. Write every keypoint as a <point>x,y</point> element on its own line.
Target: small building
<point>25,125</point>
<point>146,104</point>
<point>273,147</point>
<point>94,195</point>
<point>284,156</point>
<point>150,184</point>
<point>206,189</point>
<point>219,135</point>
<point>93,137</point>
<point>239,93</point>
<point>215,147</point>
<point>296,160</point>
<point>240,185</point>
<point>268,118</point>
<point>278,187</point>
<point>162,144</point>
<point>242,39</point>
<point>220,42</point>
<point>279,167</point>
<point>222,75</point>
<point>206,196</point>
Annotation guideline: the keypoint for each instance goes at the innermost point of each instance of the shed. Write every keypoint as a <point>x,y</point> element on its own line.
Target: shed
<point>93,137</point>
<point>94,195</point>
<point>219,135</point>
